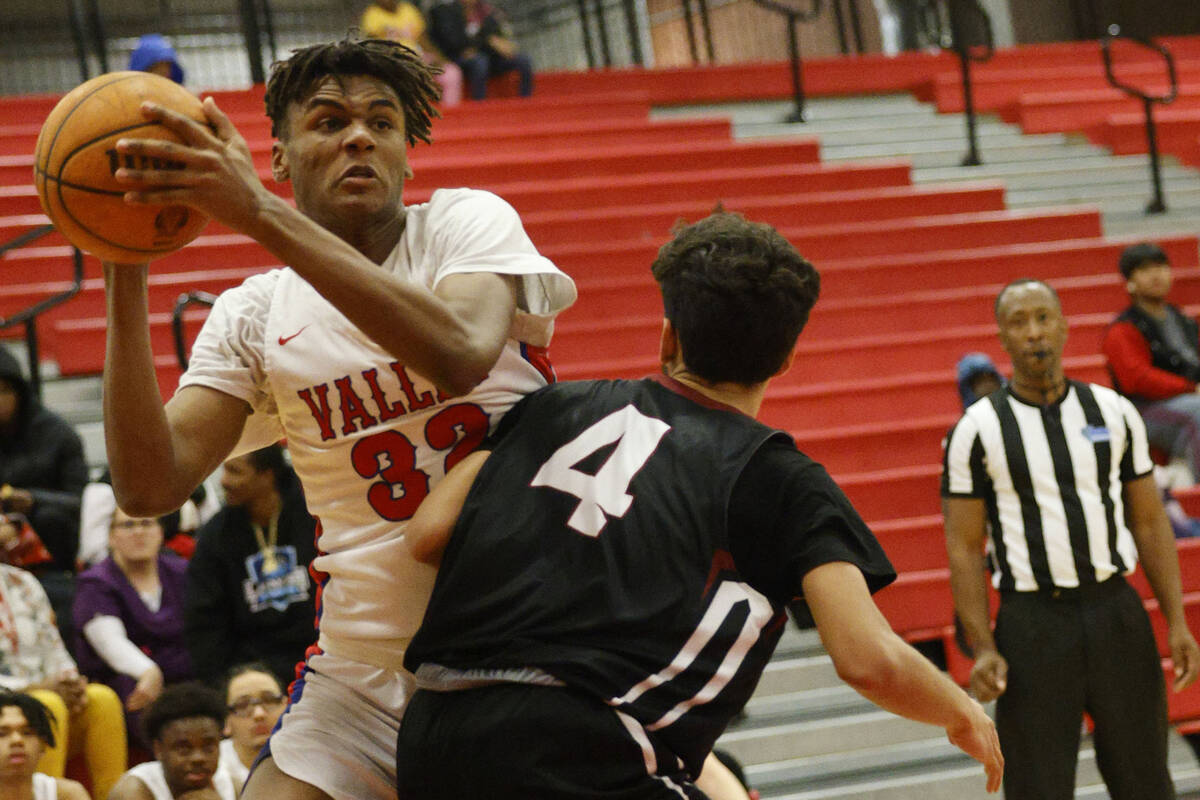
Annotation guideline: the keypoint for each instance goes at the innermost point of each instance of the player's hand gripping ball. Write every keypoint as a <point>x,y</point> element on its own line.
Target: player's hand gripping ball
<point>76,160</point>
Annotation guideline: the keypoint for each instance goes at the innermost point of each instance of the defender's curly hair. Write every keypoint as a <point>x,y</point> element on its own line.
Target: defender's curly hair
<point>390,62</point>
<point>737,293</point>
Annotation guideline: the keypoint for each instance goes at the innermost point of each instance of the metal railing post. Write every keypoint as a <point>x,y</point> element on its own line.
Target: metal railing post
<point>28,317</point>
<point>181,303</point>
<point>1158,203</point>
<point>586,27</point>
<point>794,17</point>
<point>958,9</point>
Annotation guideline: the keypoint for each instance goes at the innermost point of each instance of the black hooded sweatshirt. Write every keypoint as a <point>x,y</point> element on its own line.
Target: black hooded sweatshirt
<point>41,452</point>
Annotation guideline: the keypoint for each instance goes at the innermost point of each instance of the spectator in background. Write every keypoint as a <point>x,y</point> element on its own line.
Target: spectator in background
<point>25,732</point>
<point>129,615</point>
<point>42,475</point>
<point>249,595</point>
<point>154,54</point>
<point>404,23</point>
<point>179,528</point>
<point>977,377</point>
<point>254,700</point>
<point>184,725</point>
<point>1153,353</point>
<point>33,659</point>
<point>476,37</point>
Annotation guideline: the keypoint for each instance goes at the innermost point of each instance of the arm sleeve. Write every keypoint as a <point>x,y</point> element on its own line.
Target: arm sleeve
<point>229,353</point>
<point>94,597</point>
<point>964,472</point>
<point>1128,357</point>
<point>787,517</point>
<point>107,636</point>
<point>207,609</point>
<point>95,519</point>
<point>1135,461</point>
<point>501,246</point>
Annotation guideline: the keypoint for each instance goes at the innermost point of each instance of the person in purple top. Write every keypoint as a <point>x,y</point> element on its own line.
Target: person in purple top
<point>129,615</point>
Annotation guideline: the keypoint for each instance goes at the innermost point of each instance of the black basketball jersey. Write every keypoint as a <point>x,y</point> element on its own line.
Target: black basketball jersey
<point>595,547</point>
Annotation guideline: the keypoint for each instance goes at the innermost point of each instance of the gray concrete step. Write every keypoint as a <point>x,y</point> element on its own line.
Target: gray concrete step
<point>795,674</point>
<point>857,731</point>
<point>1043,165</point>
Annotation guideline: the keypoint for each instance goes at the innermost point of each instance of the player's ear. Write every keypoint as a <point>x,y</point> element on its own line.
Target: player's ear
<point>668,343</point>
<point>408,173</point>
<point>279,163</point>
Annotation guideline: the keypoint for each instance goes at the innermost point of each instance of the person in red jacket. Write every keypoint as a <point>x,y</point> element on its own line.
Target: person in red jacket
<point>1153,354</point>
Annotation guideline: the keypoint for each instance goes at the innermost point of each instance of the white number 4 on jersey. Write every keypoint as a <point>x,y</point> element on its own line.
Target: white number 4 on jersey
<point>636,435</point>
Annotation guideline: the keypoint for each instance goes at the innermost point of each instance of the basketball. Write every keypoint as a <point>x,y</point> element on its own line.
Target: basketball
<point>75,161</point>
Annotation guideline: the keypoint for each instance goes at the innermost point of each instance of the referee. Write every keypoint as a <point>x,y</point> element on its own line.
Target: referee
<point>1059,473</point>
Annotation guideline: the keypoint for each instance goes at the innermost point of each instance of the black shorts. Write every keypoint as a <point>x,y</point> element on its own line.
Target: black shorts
<point>521,742</point>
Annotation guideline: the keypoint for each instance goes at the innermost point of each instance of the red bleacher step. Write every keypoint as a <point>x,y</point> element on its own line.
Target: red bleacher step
<point>634,221</point>
<point>653,187</point>
<point>795,404</point>
<point>1052,112</point>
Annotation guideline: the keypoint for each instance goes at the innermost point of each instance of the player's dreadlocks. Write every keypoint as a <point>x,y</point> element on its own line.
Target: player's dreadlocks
<point>390,62</point>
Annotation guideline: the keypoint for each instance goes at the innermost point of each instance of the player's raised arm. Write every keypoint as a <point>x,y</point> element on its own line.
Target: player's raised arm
<point>157,455</point>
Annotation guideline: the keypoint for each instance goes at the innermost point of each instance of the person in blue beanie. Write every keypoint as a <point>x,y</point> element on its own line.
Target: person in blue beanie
<point>977,377</point>
<point>155,54</point>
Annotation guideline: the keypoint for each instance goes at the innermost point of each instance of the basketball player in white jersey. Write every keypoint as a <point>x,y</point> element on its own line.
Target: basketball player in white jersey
<point>26,731</point>
<point>394,340</point>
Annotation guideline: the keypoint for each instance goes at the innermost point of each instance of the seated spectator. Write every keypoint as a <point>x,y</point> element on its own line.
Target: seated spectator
<point>404,23</point>
<point>977,377</point>
<point>184,728</point>
<point>129,614</point>
<point>179,528</point>
<point>25,732</point>
<point>154,54</point>
<point>475,36</point>
<point>42,475</point>
<point>254,701</point>
<point>1153,354</point>
<point>249,594</point>
<point>33,659</point>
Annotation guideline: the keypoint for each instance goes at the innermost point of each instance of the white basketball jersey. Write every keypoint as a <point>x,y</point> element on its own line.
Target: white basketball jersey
<point>368,436</point>
<point>151,774</point>
<point>44,787</point>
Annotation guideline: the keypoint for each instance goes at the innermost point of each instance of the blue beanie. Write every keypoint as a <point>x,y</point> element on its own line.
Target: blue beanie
<point>151,49</point>
<point>969,366</point>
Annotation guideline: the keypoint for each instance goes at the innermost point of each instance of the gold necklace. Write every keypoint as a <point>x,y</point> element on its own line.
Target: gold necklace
<point>266,544</point>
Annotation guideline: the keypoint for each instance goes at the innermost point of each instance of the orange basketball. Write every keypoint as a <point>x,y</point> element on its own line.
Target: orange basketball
<point>76,159</point>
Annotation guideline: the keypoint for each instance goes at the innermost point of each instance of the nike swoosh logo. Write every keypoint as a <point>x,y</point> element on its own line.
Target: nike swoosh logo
<point>285,339</point>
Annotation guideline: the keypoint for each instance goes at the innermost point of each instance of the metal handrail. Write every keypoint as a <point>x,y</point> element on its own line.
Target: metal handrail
<point>1114,32</point>
<point>1157,204</point>
<point>28,317</point>
<point>795,17</point>
<point>958,10</point>
<point>181,303</point>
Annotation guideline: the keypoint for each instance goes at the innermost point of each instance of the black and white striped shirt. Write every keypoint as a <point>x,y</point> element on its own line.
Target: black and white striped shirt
<point>1051,479</point>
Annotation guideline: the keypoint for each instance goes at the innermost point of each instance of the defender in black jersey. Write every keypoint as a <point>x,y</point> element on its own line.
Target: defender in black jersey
<point>616,559</point>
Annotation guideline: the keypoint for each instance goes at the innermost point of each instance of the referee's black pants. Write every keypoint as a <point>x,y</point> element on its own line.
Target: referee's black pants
<point>1072,651</point>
